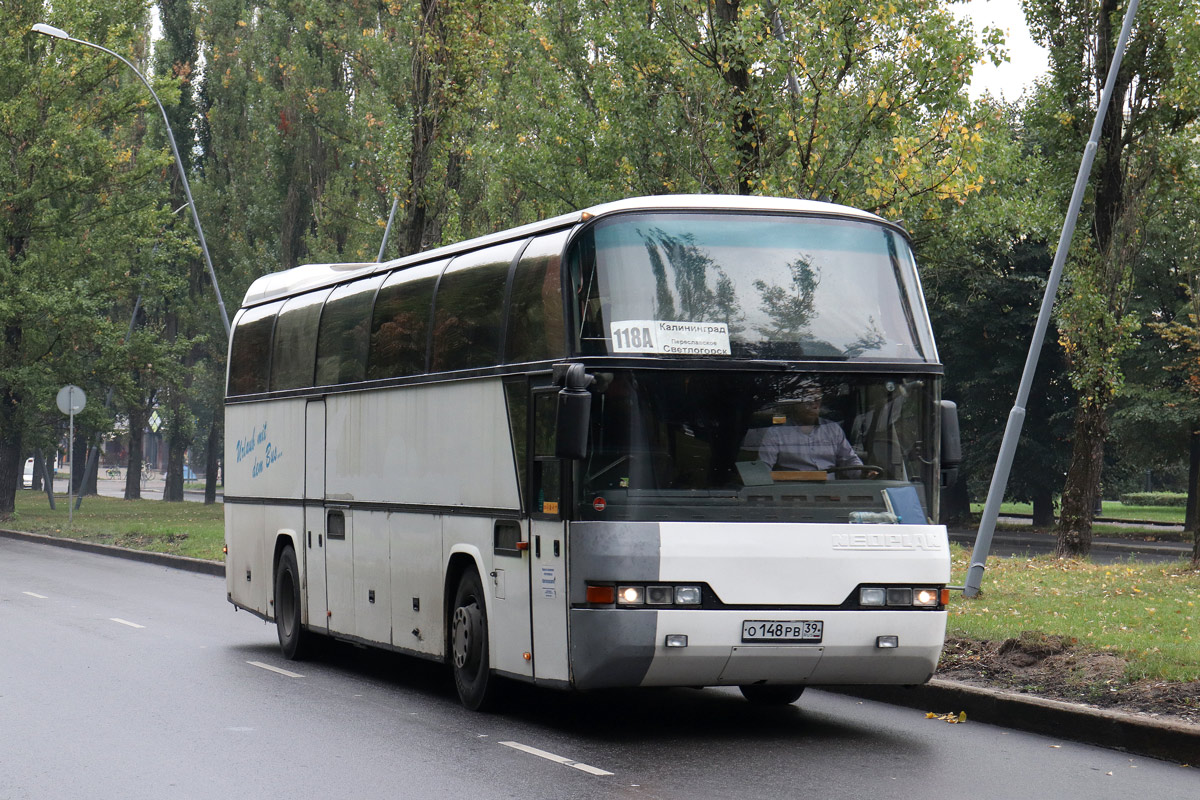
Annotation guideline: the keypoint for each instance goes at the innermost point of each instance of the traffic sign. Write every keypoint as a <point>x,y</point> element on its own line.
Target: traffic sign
<point>71,399</point>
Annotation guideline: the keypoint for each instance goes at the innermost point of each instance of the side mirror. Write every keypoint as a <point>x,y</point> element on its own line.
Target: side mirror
<point>574,414</point>
<point>951,443</point>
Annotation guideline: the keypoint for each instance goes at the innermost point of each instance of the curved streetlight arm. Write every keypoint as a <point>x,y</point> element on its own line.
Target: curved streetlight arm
<point>58,33</point>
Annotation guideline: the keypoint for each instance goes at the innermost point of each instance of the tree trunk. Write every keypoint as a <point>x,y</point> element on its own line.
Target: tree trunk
<point>173,488</point>
<point>133,474</point>
<point>1082,482</point>
<point>1193,499</point>
<point>212,463</point>
<point>36,481</point>
<point>1043,508</point>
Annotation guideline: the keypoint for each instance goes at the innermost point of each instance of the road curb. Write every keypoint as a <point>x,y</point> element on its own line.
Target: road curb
<point>200,565</point>
<point>1119,730</point>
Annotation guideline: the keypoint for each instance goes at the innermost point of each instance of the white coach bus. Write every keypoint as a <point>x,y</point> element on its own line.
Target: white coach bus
<point>543,454</point>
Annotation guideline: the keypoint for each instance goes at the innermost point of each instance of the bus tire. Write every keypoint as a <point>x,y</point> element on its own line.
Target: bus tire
<point>771,694</point>
<point>294,641</point>
<point>469,646</point>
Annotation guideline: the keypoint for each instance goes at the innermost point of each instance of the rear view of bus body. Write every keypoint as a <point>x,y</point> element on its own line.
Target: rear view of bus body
<point>543,454</point>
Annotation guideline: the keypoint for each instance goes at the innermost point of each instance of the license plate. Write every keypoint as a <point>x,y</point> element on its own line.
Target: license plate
<point>761,630</point>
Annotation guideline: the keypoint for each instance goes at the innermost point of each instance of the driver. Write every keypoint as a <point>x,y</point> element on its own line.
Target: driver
<point>805,441</point>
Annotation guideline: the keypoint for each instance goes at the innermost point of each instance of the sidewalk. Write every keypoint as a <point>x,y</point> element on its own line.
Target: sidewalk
<point>1133,733</point>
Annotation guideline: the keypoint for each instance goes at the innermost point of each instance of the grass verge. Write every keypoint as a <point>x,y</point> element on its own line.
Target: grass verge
<point>186,529</point>
<point>1149,614</point>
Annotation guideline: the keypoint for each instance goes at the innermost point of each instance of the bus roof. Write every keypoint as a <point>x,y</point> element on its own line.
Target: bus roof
<point>311,276</point>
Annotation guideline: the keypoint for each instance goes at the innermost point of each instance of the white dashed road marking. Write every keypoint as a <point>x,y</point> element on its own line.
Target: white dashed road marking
<point>566,762</point>
<point>284,672</point>
<point>35,594</point>
<point>125,622</point>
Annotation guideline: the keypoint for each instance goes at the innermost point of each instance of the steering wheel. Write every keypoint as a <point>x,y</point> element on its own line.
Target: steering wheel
<point>868,471</point>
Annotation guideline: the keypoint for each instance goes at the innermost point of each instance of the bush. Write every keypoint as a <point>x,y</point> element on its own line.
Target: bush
<point>1154,499</point>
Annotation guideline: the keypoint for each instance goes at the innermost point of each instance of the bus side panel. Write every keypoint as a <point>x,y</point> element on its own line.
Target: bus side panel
<point>416,565</point>
<point>264,462</point>
<point>507,592</point>
<point>372,576</point>
<point>244,536</point>
<point>443,444</point>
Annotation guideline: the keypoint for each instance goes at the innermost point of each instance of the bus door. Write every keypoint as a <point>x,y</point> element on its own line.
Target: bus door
<point>547,543</point>
<point>314,514</point>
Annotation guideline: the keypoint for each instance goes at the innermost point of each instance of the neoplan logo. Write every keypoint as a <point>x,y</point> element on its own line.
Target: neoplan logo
<point>886,540</point>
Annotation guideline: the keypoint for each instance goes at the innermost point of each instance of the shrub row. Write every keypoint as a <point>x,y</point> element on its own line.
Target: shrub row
<point>1154,499</point>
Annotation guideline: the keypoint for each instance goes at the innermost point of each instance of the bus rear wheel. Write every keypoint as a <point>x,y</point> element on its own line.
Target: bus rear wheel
<point>294,641</point>
<point>771,694</point>
<point>469,646</point>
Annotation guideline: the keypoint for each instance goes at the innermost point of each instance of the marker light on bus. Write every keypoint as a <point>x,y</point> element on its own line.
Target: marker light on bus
<point>631,595</point>
<point>601,595</point>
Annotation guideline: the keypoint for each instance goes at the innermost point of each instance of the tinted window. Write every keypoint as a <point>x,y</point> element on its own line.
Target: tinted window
<point>535,310</point>
<point>250,351</point>
<point>469,310</point>
<point>400,328</point>
<point>345,332</point>
<point>745,285</point>
<point>295,345</point>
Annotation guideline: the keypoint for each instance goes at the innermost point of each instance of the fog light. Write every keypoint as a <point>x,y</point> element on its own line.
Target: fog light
<point>687,595</point>
<point>871,597</point>
<point>925,598</point>
<point>899,597</point>
<point>887,642</point>
<point>658,595</point>
<point>676,640</point>
<point>631,595</point>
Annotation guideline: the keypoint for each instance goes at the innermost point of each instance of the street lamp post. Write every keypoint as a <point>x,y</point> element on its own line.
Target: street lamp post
<point>58,33</point>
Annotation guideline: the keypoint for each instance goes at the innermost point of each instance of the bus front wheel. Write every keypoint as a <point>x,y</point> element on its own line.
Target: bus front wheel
<point>771,694</point>
<point>293,639</point>
<point>469,644</point>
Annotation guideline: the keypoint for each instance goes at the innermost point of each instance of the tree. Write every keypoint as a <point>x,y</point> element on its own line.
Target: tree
<point>1155,99</point>
<point>80,194</point>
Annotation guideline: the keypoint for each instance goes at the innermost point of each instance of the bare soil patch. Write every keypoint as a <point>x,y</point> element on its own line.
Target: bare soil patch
<point>1060,668</point>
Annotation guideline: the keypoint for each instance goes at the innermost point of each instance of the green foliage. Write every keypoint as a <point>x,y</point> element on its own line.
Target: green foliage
<point>1154,499</point>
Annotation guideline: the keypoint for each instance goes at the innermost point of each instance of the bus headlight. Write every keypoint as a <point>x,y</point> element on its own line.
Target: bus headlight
<point>925,598</point>
<point>872,596</point>
<point>658,595</point>
<point>631,595</point>
<point>687,595</point>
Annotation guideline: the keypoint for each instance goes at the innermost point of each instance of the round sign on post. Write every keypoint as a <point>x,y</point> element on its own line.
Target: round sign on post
<point>71,399</point>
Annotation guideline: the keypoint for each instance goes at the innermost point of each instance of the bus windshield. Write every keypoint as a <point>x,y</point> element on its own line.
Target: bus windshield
<point>763,286</point>
<point>675,445</point>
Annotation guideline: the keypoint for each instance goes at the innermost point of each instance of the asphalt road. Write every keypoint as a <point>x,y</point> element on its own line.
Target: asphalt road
<point>126,680</point>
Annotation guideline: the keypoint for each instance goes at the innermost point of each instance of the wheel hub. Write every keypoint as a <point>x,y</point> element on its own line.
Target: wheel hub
<point>466,636</point>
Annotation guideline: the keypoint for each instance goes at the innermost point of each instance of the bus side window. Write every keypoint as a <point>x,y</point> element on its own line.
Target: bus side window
<point>546,480</point>
<point>469,309</point>
<point>400,326</point>
<point>250,353</point>
<point>535,309</point>
<point>295,347</point>
<point>344,332</point>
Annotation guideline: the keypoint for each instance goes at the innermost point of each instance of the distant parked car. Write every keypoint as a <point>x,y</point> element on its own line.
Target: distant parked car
<point>27,477</point>
<point>188,475</point>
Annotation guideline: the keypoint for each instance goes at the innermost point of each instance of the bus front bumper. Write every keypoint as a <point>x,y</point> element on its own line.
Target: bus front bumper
<point>628,647</point>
